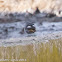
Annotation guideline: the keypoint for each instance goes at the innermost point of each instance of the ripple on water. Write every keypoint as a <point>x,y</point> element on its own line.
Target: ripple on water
<point>12,30</point>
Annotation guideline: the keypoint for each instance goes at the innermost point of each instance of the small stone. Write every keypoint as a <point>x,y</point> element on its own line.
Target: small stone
<point>11,15</point>
<point>22,31</point>
<point>6,30</point>
<point>53,25</point>
<point>51,29</point>
<point>50,15</point>
<point>57,36</point>
<point>11,27</point>
<point>0,32</point>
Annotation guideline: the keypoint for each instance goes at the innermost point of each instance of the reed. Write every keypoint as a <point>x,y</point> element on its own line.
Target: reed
<point>50,51</point>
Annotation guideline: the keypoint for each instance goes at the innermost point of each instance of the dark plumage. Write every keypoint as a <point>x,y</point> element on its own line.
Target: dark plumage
<point>50,15</point>
<point>30,28</point>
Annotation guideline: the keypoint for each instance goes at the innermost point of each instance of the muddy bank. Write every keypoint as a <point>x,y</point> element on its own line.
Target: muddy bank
<point>28,17</point>
<point>15,29</point>
<point>10,33</point>
<point>31,40</point>
<point>46,24</point>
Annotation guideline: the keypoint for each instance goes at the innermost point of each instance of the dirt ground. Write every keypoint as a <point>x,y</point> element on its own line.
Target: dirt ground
<point>12,24</point>
<point>28,17</point>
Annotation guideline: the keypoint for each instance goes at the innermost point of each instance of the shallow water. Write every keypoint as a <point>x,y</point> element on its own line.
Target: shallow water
<point>12,30</point>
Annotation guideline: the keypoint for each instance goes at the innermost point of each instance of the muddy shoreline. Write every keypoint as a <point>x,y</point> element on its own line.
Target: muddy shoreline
<point>12,24</point>
<point>28,17</point>
<point>30,40</point>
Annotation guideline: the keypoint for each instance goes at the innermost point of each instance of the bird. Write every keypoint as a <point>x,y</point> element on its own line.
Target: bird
<point>30,28</point>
